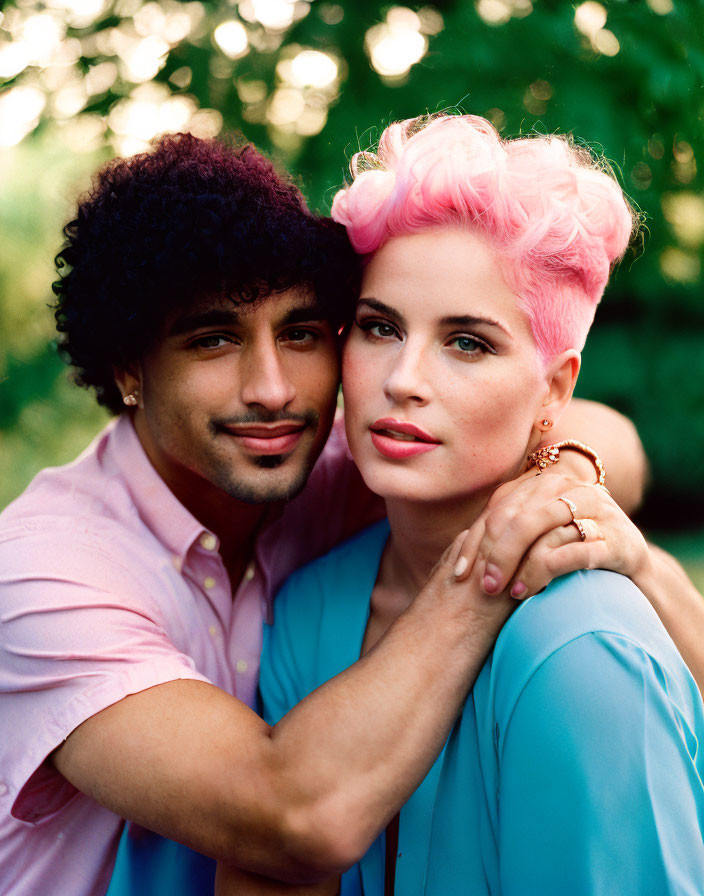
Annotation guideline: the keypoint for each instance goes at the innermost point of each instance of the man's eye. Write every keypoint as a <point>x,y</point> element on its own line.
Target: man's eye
<point>300,336</point>
<point>212,340</point>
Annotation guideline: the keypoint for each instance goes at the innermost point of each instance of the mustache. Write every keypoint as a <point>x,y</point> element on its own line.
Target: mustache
<point>252,417</point>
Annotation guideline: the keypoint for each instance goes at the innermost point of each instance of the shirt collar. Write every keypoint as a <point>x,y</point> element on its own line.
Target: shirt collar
<point>173,525</point>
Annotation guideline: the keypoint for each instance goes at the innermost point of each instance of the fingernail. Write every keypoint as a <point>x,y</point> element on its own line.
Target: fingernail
<point>461,567</point>
<point>518,590</point>
<point>490,584</point>
<point>492,576</point>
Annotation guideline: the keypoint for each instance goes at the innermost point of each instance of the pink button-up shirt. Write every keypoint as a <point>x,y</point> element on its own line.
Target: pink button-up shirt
<point>109,586</point>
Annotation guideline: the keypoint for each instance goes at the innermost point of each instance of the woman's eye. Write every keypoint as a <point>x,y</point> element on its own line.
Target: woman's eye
<point>469,345</point>
<point>378,329</point>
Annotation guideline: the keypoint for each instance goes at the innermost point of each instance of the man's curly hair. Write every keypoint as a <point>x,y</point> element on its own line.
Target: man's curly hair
<point>189,218</point>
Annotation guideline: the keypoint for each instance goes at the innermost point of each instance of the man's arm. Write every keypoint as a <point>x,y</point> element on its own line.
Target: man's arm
<point>231,881</point>
<point>678,604</point>
<point>304,799</point>
<point>599,786</point>
<point>615,440</point>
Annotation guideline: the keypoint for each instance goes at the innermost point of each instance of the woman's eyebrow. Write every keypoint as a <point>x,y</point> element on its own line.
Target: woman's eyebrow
<point>470,320</point>
<point>376,305</point>
<point>455,320</point>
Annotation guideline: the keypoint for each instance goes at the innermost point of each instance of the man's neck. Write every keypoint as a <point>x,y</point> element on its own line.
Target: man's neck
<point>235,522</point>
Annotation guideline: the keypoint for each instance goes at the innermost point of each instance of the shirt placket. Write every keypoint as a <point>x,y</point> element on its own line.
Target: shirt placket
<point>246,634</point>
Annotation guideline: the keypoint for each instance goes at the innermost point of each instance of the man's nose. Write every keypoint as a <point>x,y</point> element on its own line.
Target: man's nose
<point>407,377</point>
<point>265,381</point>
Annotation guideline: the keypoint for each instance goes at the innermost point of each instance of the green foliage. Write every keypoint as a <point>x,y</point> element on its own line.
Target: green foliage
<point>630,87</point>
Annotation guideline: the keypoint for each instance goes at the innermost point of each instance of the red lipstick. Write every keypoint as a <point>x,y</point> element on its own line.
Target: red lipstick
<point>397,440</point>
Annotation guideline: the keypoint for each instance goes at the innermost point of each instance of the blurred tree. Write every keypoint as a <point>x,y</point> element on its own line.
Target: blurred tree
<point>312,81</point>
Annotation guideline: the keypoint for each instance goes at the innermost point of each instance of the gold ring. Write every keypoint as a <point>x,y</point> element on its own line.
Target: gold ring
<point>571,506</point>
<point>580,528</point>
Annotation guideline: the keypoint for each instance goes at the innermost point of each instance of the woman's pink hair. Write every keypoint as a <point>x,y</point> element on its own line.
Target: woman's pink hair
<point>555,215</point>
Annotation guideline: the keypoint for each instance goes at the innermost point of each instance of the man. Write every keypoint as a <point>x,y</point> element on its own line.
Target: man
<point>203,303</point>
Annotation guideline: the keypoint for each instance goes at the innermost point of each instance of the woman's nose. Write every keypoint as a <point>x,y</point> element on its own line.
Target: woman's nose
<point>407,379</point>
<point>265,381</point>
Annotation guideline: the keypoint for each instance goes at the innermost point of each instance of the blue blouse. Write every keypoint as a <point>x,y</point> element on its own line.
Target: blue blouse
<point>575,765</point>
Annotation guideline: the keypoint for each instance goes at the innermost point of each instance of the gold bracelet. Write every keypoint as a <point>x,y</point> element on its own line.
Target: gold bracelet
<point>550,454</point>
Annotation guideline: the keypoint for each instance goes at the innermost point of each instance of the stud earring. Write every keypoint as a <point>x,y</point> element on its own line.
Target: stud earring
<point>131,399</point>
<point>547,423</point>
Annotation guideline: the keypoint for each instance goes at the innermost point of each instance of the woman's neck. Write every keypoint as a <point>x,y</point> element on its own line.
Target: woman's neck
<point>420,534</point>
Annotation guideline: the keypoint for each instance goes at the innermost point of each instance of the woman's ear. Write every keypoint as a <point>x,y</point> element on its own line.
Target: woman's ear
<point>560,378</point>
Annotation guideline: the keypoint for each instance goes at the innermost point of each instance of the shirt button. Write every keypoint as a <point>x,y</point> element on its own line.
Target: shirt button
<point>208,541</point>
<point>242,665</point>
<point>213,631</point>
<point>209,582</point>
<point>3,785</point>
<point>249,573</point>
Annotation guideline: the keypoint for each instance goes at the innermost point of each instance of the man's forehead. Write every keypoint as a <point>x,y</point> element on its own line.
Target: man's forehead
<point>290,305</point>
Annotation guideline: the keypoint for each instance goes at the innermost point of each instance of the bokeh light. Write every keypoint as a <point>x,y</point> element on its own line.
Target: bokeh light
<point>311,68</point>
<point>684,212</point>
<point>231,37</point>
<point>275,15</point>
<point>498,12</point>
<point>590,18</point>
<point>680,266</point>
<point>20,109</point>
<point>396,44</point>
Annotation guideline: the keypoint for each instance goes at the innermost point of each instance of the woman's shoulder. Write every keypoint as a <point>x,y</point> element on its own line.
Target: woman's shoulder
<point>598,605</point>
<point>582,602</point>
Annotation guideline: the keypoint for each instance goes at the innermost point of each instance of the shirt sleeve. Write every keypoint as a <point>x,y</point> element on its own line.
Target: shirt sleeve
<point>599,790</point>
<point>75,637</point>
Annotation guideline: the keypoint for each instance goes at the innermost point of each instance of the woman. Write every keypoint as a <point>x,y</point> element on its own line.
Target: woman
<point>574,765</point>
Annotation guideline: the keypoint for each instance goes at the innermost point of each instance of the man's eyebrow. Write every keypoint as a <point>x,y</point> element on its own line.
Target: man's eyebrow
<point>307,313</point>
<point>213,317</point>
<point>226,317</point>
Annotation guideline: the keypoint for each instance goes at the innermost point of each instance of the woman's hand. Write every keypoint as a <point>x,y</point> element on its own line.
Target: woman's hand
<point>527,536</point>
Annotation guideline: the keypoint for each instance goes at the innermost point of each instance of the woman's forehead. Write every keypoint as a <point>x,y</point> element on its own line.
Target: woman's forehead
<point>443,273</point>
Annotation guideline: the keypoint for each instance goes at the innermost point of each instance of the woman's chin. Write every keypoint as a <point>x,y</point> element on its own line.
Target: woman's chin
<point>421,483</point>
<point>418,488</point>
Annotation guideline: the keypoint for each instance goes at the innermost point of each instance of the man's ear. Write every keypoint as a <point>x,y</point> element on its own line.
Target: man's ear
<point>560,378</point>
<point>129,381</point>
